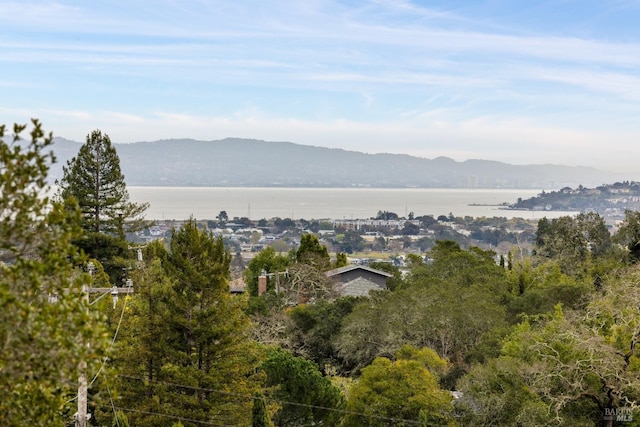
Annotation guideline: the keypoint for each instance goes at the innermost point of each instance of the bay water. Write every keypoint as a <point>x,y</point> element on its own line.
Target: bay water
<point>180,203</point>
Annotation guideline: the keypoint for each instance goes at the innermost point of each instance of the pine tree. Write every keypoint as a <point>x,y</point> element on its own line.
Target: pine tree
<point>185,349</point>
<point>312,252</point>
<point>209,331</point>
<point>341,260</point>
<point>96,182</point>
<point>142,349</point>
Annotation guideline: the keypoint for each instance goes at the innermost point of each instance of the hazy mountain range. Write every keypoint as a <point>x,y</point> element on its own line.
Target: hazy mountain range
<point>234,162</point>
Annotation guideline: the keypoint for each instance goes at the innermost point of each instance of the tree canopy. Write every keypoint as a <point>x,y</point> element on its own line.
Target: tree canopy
<point>312,252</point>
<point>266,261</point>
<point>94,179</point>
<point>549,339</point>
<point>629,234</point>
<point>307,397</point>
<point>404,391</point>
<point>190,353</point>
<point>573,239</point>
<point>45,328</point>
<point>569,366</point>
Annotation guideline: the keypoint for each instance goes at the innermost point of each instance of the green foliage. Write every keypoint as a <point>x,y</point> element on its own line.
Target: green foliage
<point>268,261</point>
<point>570,365</point>
<point>313,329</point>
<point>307,398</point>
<point>120,420</point>
<point>629,234</point>
<point>94,180</point>
<point>341,260</point>
<point>143,347</point>
<point>496,394</point>
<point>188,352</point>
<point>414,261</point>
<point>313,253</point>
<point>536,289</point>
<point>426,356</point>
<point>410,229</point>
<point>351,241</point>
<point>450,320</point>
<point>43,342</point>
<point>400,392</point>
<point>449,305</point>
<point>572,240</point>
<point>385,215</point>
<point>222,217</point>
<point>111,251</point>
<point>452,264</point>
<point>395,282</point>
<point>259,414</point>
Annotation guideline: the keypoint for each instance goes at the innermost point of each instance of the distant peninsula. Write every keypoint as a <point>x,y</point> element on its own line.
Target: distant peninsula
<point>610,200</point>
<point>234,162</point>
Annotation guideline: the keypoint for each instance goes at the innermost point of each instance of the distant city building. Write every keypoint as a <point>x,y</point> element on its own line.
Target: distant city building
<point>357,224</point>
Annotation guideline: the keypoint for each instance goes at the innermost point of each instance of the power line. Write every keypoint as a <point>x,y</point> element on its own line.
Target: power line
<point>81,415</point>
<point>174,417</point>
<point>115,335</point>
<point>115,413</point>
<point>306,405</point>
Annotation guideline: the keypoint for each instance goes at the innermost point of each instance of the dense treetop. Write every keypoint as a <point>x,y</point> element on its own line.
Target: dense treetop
<point>94,179</point>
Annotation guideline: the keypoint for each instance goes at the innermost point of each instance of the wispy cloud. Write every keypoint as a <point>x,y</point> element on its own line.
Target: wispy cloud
<point>476,79</point>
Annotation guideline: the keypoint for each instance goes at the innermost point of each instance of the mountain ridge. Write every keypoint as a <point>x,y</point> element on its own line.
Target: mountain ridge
<point>240,162</point>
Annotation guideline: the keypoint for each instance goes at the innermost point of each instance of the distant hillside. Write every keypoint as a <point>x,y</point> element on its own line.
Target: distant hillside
<point>607,200</point>
<point>244,162</point>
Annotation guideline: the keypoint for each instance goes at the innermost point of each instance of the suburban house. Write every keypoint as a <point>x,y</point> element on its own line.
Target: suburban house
<point>358,280</point>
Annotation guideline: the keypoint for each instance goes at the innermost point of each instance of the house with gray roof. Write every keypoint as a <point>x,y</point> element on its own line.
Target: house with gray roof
<point>358,280</point>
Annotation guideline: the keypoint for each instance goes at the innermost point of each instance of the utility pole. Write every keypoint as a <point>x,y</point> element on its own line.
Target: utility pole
<point>277,275</point>
<point>81,417</point>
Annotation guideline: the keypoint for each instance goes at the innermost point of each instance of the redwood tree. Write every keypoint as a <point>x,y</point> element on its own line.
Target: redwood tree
<point>94,179</point>
<point>189,354</point>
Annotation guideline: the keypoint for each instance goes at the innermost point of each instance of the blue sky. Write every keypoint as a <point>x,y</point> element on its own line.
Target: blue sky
<point>516,81</point>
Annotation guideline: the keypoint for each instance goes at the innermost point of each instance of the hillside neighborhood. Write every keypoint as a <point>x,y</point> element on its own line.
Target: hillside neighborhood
<point>221,319</point>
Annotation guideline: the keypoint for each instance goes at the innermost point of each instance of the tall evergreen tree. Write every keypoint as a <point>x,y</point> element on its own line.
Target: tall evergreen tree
<point>209,332</point>
<point>142,350</point>
<point>96,182</point>
<point>313,253</point>
<point>187,344</point>
<point>341,260</point>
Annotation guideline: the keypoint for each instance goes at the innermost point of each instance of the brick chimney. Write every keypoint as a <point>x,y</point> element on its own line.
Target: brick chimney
<point>262,284</point>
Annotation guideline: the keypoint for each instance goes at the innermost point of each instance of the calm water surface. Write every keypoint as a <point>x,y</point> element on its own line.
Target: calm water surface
<point>322,203</point>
